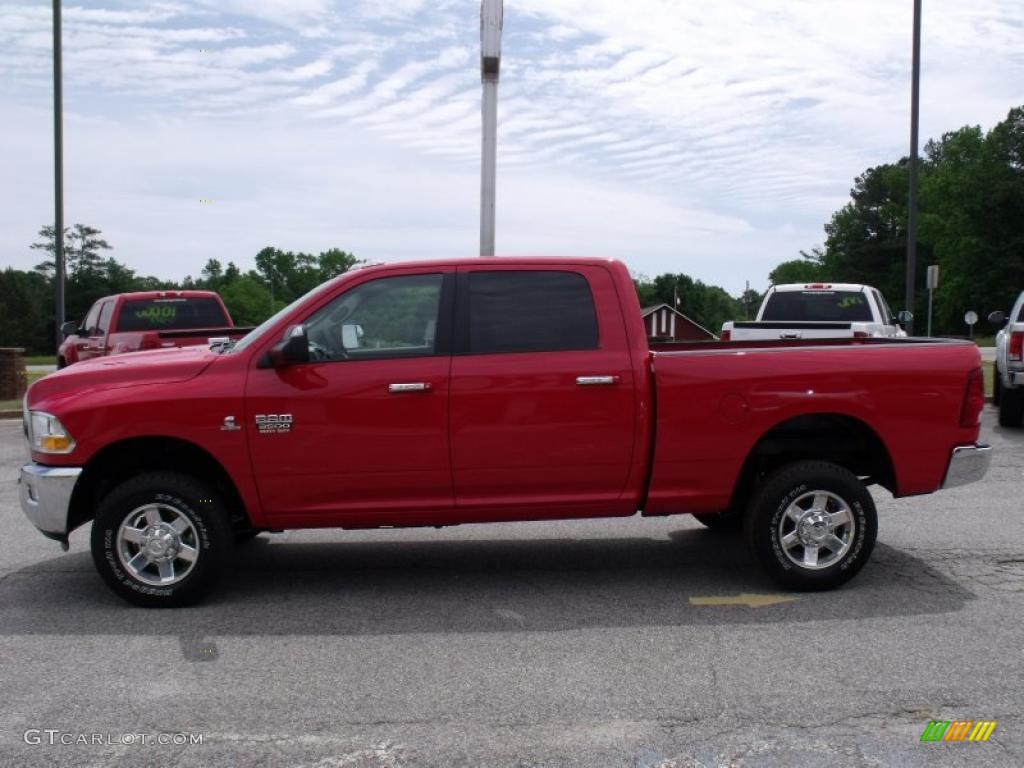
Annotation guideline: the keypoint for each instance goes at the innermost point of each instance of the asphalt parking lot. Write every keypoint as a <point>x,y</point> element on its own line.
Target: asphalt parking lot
<point>529,644</point>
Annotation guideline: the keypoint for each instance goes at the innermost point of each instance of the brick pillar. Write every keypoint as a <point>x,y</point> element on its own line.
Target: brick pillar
<point>12,373</point>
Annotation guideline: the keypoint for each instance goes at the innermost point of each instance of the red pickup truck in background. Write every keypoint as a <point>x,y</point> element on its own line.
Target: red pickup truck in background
<point>487,390</point>
<point>131,322</point>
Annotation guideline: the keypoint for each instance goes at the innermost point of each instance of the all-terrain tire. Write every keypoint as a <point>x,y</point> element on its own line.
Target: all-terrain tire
<point>1011,407</point>
<point>161,539</point>
<point>812,505</point>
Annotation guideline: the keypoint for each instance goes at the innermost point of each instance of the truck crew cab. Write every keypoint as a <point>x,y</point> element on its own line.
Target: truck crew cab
<point>490,390</point>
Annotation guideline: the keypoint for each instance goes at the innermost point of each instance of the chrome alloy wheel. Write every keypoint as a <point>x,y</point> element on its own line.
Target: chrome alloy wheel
<point>817,530</point>
<point>157,544</point>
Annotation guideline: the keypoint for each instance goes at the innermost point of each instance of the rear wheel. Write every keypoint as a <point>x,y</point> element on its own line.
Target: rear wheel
<point>161,540</point>
<point>1011,408</point>
<point>812,525</point>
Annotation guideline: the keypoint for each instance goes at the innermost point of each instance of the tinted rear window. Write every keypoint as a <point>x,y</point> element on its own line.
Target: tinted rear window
<point>818,306</point>
<point>173,314</point>
<point>526,311</point>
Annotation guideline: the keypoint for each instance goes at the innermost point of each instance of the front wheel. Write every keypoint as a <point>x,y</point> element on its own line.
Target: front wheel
<point>161,539</point>
<point>812,525</point>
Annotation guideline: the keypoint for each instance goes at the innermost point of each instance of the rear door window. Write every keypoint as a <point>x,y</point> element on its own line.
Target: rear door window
<point>171,314</point>
<point>818,306</point>
<point>530,311</point>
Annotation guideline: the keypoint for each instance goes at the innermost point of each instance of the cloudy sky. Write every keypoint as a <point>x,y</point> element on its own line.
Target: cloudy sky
<point>713,138</point>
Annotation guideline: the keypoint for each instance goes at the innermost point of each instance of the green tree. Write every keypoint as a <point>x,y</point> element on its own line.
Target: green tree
<point>334,262</point>
<point>708,305</point>
<point>48,244</point>
<point>750,300</point>
<point>291,274</point>
<point>82,246</point>
<point>971,225</point>
<point>213,275</point>
<point>974,215</point>
<point>807,269</point>
<point>867,239</point>
<point>248,300</point>
<point>26,312</point>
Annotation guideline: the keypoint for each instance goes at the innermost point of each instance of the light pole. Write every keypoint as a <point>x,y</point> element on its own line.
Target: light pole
<point>270,284</point>
<point>490,62</point>
<point>933,283</point>
<point>58,174</point>
<point>915,98</point>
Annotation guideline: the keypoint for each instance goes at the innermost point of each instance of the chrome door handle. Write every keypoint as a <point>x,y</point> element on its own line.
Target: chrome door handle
<point>596,381</point>
<point>790,335</point>
<point>414,386</point>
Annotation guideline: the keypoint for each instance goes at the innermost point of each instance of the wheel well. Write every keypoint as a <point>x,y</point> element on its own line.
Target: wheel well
<point>125,459</point>
<point>832,437</point>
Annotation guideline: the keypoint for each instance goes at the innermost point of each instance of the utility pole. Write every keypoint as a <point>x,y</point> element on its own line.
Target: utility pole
<point>915,98</point>
<point>58,174</point>
<point>491,13</point>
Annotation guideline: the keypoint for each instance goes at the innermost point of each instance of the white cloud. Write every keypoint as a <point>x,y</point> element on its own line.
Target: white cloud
<point>709,138</point>
<point>327,93</point>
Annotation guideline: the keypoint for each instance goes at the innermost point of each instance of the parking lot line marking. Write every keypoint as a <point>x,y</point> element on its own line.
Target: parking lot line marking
<point>746,598</point>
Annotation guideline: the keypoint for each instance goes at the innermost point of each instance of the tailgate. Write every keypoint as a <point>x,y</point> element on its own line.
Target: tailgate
<point>756,330</point>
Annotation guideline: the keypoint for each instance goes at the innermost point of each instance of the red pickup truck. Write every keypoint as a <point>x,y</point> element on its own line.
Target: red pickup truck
<point>130,322</point>
<point>487,390</point>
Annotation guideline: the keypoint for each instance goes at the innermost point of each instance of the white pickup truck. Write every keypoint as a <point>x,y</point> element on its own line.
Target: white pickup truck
<point>817,311</point>
<point>1008,374</point>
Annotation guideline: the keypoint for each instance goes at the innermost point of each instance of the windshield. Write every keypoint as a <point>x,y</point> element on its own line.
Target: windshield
<point>171,314</point>
<point>818,306</point>
<point>260,329</point>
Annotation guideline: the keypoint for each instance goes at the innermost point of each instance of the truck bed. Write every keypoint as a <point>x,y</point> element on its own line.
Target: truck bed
<point>735,346</point>
<point>716,400</point>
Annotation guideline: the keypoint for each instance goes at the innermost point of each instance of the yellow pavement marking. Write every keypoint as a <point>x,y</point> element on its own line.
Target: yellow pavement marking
<point>746,598</point>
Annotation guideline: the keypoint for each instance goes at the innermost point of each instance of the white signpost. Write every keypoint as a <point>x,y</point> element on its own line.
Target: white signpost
<point>491,12</point>
<point>971,317</point>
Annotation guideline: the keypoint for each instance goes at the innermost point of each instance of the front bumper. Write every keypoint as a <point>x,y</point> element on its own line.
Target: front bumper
<point>45,494</point>
<point>968,464</point>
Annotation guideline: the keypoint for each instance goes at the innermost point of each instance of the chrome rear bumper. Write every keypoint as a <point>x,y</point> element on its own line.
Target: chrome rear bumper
<point>45,494</point>
<point>968,464</point>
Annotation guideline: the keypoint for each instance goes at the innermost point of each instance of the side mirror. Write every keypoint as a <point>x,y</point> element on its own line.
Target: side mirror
<point>292,350</point>
<point>997,319</point>
<point>70,328</point>
<point>352,336</point>
<point>905,318</point>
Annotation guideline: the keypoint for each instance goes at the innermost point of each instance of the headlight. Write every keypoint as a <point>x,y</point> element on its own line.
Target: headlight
<point>47,435</point>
